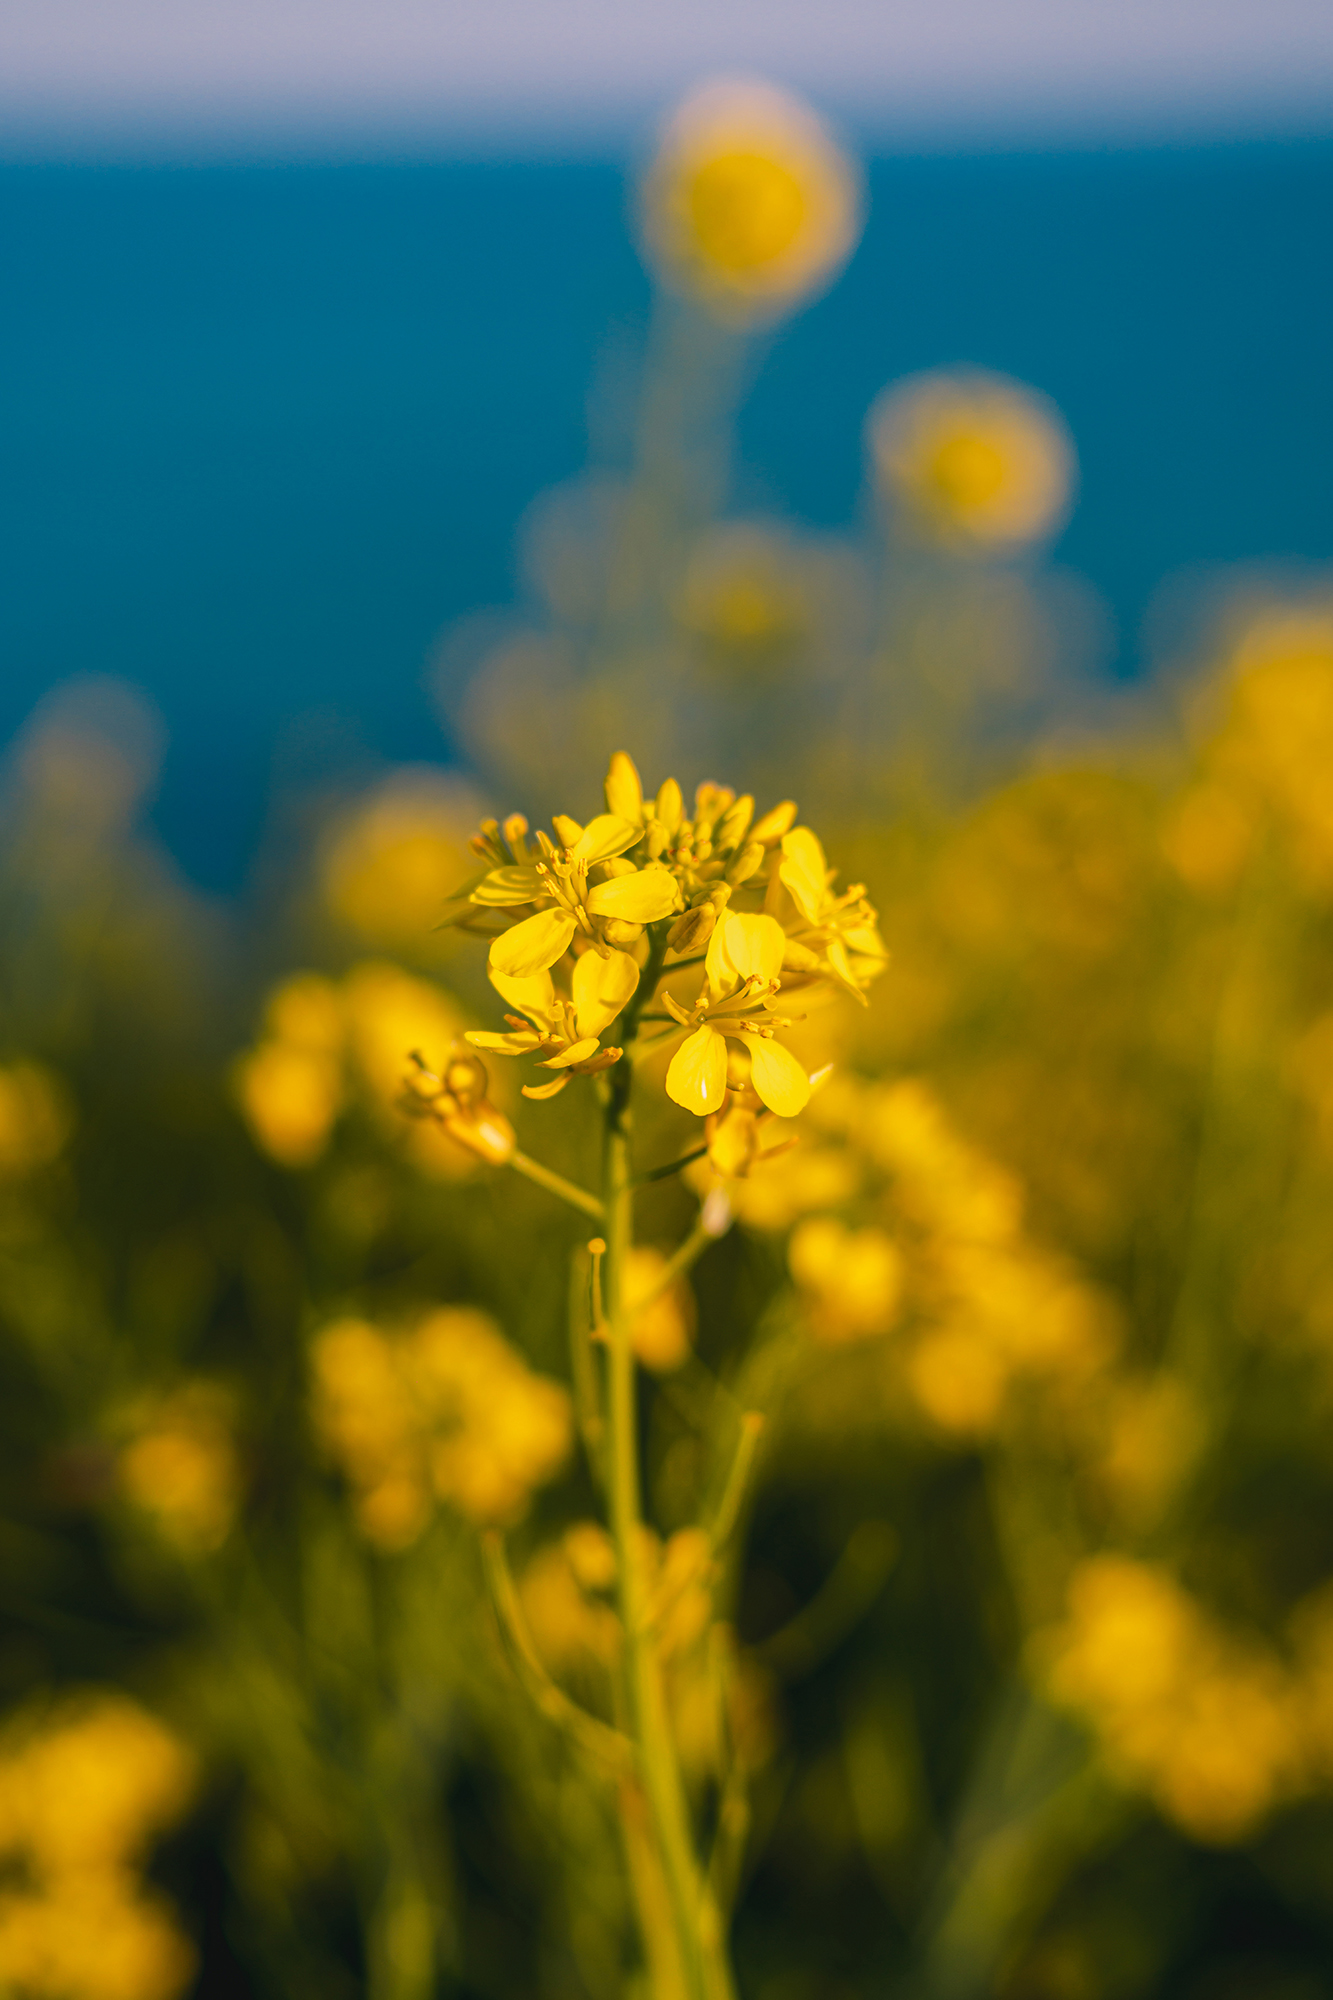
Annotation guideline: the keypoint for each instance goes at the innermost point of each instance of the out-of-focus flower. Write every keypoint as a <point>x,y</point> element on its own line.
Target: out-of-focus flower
<point>661,1316</point>
<point>852,1279</point>
<point>36,1118</point>
<point>446,1411</point>
<point>392,863</point>
<point>1274,748</point>
<point>84,1788</point>
<point>972,461</point>
<point>180,1468</point>
<point>745,601</point>
<point>327,1042</point>
<point>749,205</point>
<point>1211,1728</point>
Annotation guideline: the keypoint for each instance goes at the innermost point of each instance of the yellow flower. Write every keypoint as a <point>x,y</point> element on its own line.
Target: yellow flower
<point>973,461</point>
<point>834,936</point>
<point>181,1468</point>
<point>852,1278</point>
<point>749,205</point>
<point>392,863</point>
<point>742,968</point>
<point>290,1097</point>
<point>564,1032</point>
<point>35,1118</point>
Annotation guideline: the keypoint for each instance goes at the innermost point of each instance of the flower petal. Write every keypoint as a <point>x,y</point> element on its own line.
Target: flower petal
<point>697,1078</point>
<point>641,898</point>
<point>602,838</point>
<point>541,1090</point>
<point>534,996</point>
<point>602,986</point>
<point>508,885</point>
<point>624,788</point>
<point>575,1053</point>
<point>532,946</point>
<point>804,870</point>
<point>754,945</point>
<point>778,1078</point>
<point>505,1045</point>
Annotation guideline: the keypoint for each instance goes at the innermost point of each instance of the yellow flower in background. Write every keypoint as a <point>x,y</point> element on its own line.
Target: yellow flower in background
<point>181,1470</point>
<point>1276,741</point>
<point>749,205</point>
<point>661,1316</point>
<point>447,1411</point>
<point>745,599</point>
<point>1210,1727</point>
<point>972,461</point>
<point>392,862</point>
<point>36,1118</point>
<point>85,1787</point>
<point>852,1278</point>
<point>290,1097</point>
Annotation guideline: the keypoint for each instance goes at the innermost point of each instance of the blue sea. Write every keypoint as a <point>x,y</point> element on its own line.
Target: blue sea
<point>266,431</point>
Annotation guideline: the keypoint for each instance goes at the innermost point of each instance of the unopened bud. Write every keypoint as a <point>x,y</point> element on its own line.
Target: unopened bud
<point>620,932</point>
<point>731,827</point>
<point>692,931</point>
<point>747,863</point>
<point>514,829</point>
<point>670,805</point>
<point>465,1077</point>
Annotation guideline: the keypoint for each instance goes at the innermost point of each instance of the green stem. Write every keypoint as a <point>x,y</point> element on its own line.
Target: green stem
<point>693,1910</point>
<point>556,1184</point>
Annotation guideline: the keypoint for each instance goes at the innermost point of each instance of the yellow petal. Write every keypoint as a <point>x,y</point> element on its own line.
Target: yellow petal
<point>508,885</point>
<point>605,836</point>
<point>602,986</point>
<point>567,830</point>
<point>774,824</point>
<point>624,789</point>
<point>535,996</point>
<point>804,870</point>
<point>541,1090</point>
<point>697,1078</point>
<point>670,805</point>
<point>532,946</point>
<point>505,1045</point>
<point>641,898</point>
<point>753,945</point>
<point>575,1053</point>
<point>777,1077</point>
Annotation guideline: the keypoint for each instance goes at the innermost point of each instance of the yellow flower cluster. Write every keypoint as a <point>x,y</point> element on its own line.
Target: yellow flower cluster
<point>1214,1730</point>
<point>446,1411</point>
<point>180,1468</point>
<point>391,862</point>
<point>1268,761</point>
<point>327,1041</point>
<point>971,460</point>
<point>84,1788</point>
<point>937,1251</point>
<point>749,206</point>
<point>641,885</point>
<point>35,1119</point>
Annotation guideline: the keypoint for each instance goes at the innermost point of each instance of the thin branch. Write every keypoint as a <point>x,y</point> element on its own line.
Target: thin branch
<point>733,1493</point>
<point>601,1742</point>
<point>839,1604</point>
<point>585,1289</point>
<point>676,1166</point>
<point>557,1184</point>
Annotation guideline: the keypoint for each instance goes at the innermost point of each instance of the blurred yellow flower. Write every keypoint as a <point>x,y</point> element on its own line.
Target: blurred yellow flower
<point>662,1327</point>
<point>744,599</point>
<point>181,1468</point>
<point>36,1118</point>
<point>972,461</point>
<point>290,1097</point>
<point>749,205</point>
<point>446,1411</point>
<point>1276,741</point>
<point>1212,1729</point>
<point>84,1788</point>
<point>392,863</point>
<point>852,1278</point>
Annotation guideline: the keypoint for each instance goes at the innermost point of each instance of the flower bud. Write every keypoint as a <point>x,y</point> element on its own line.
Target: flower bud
<point>747,862</point>
<point>620,932</point>
<point>465,1077</point>
<point>691,932</point>
<point>482,1129</point>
